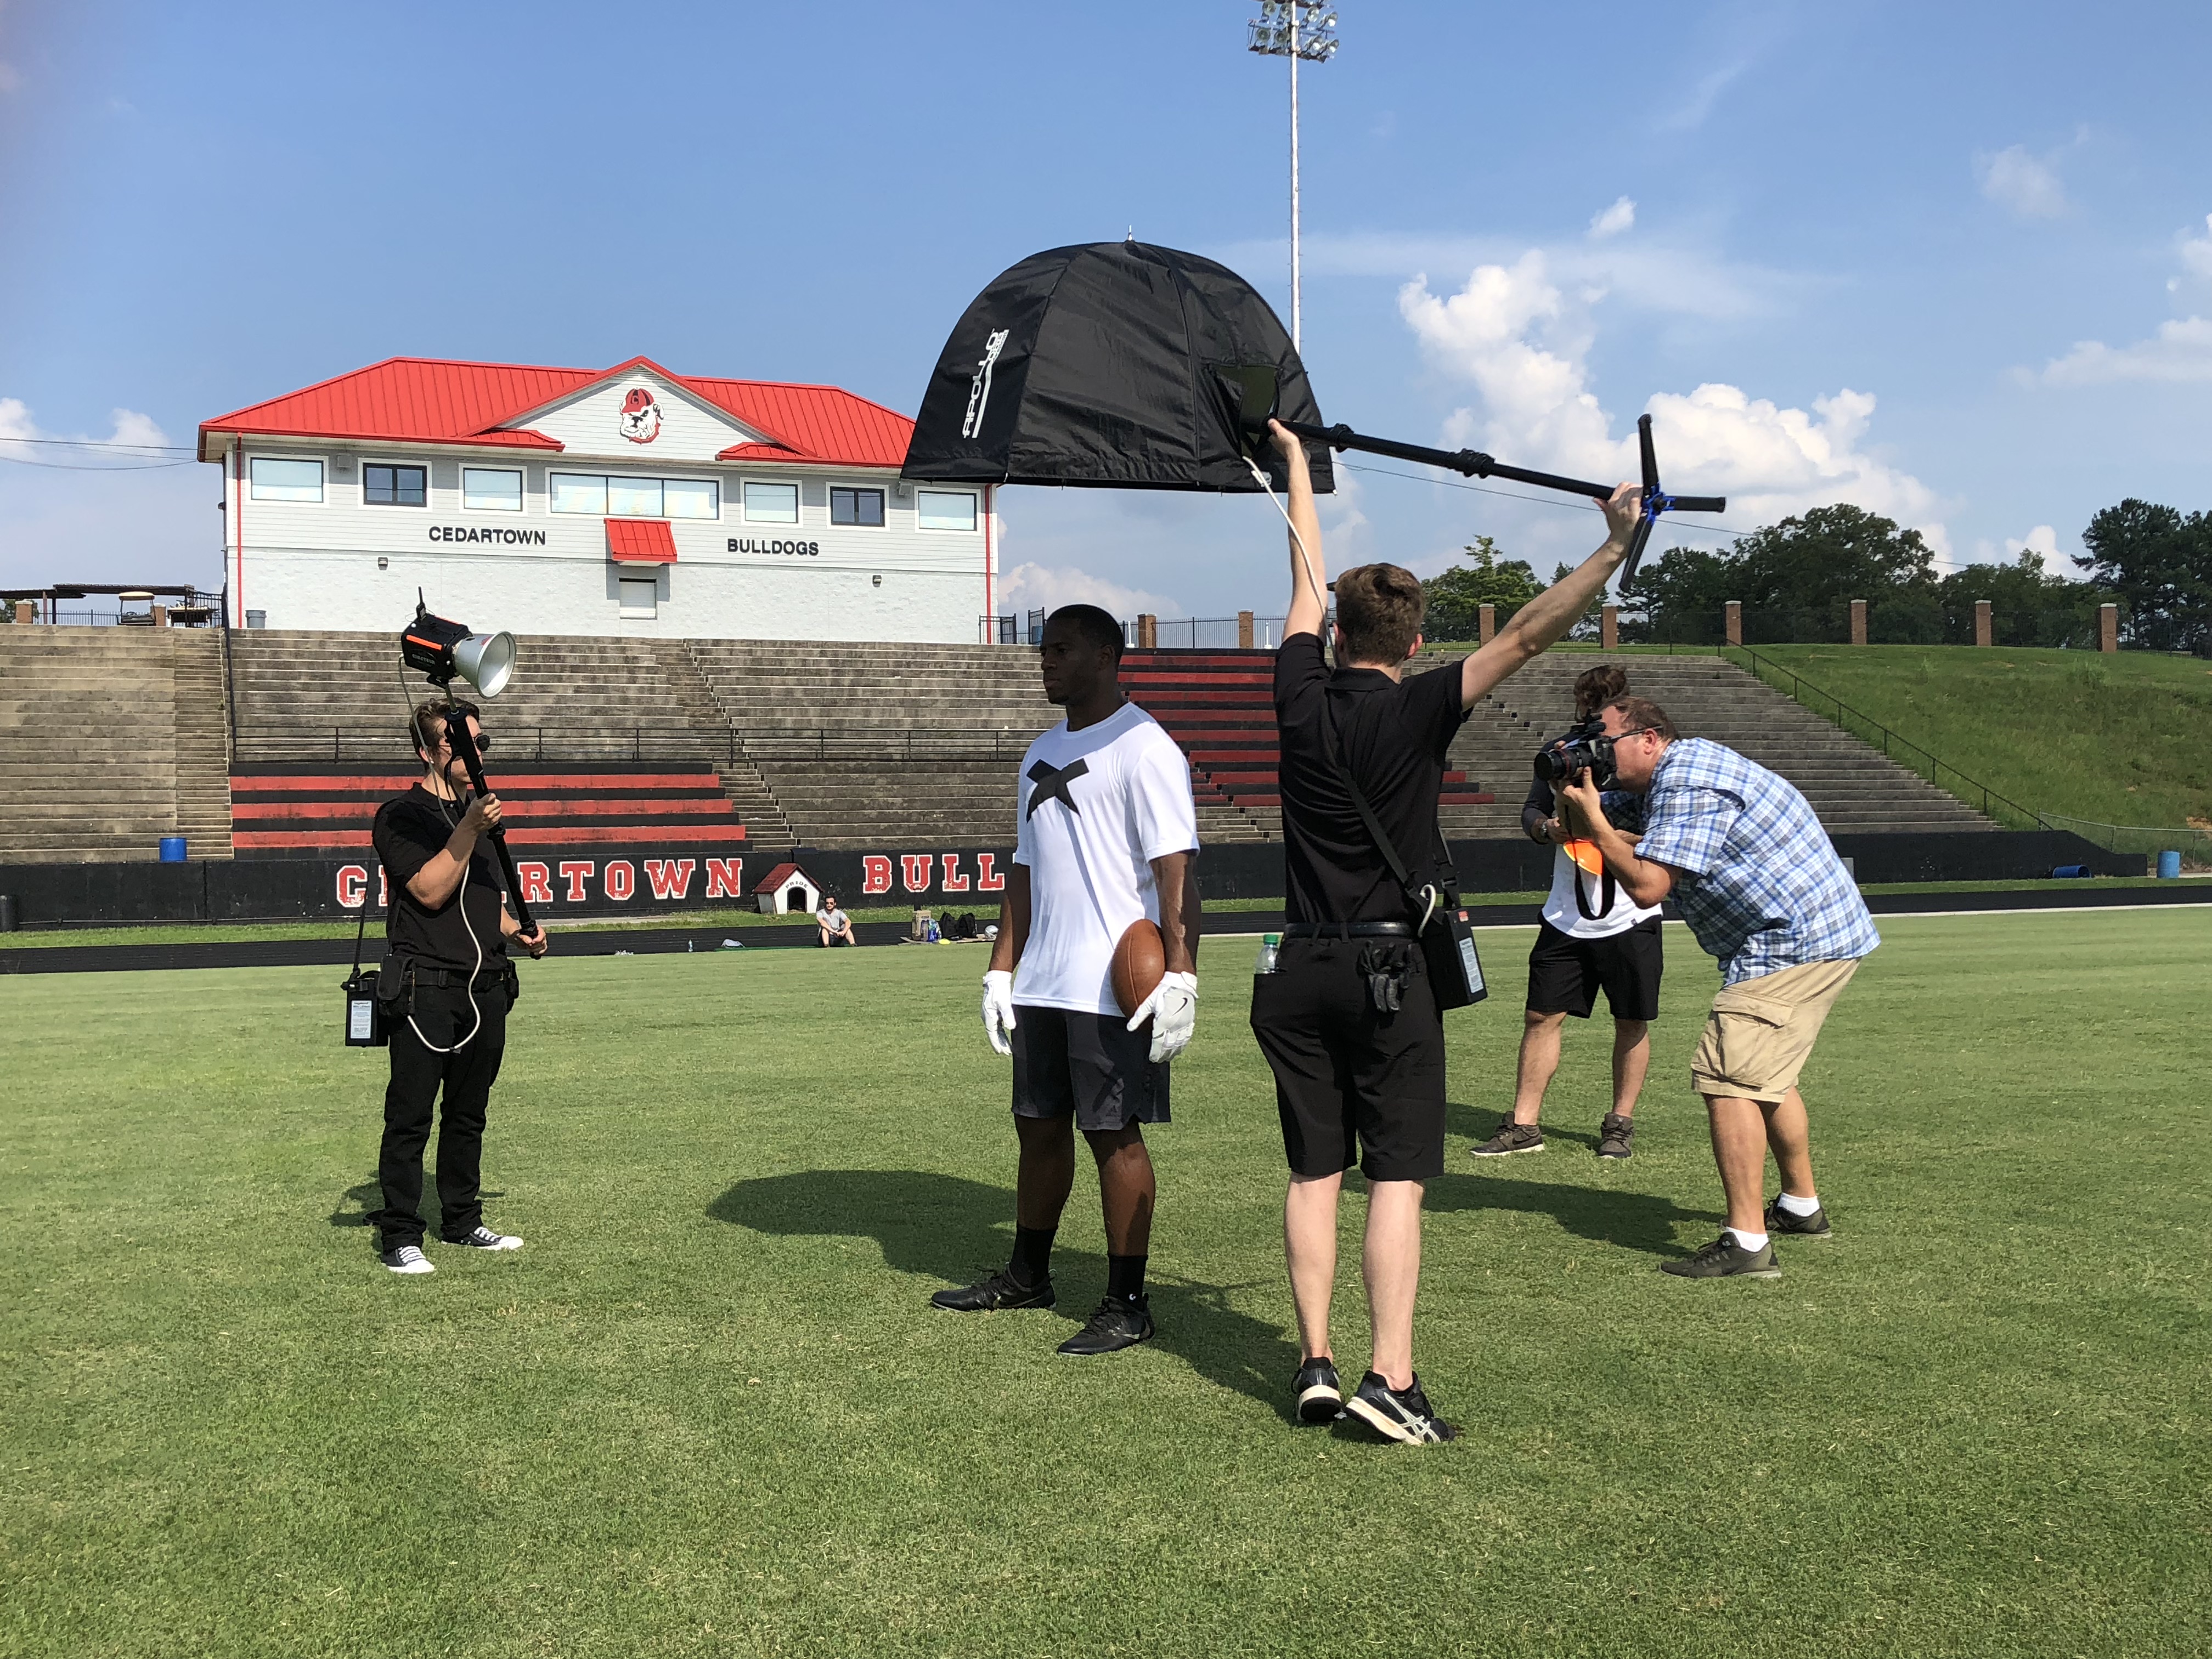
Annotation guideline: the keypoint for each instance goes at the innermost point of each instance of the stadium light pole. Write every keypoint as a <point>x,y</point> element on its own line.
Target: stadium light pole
<point>1290,28</point>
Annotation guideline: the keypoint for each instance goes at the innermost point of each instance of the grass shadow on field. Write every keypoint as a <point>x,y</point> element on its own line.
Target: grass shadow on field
<point>948,1228</point>
<point>1634,1221</point>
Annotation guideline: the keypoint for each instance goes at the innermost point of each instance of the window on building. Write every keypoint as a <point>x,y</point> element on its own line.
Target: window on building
<point>856,506</point>
<point>286,481</point>
<point>639,595</point>
<point>491,489</point>
<point>690,498</point>
<point>394,486</point>
<point>945,509</point>
<point>634,498</point>
<point>771,503</point>
<point>612,497</point>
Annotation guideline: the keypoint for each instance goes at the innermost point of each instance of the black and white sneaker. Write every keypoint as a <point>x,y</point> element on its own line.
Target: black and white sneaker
<point>408,1259</point>
<point>1512,1137</point>
<point>1321,1395</point>
<point>485,1239</point>
<point>1122,1322</point>
<point>1400,1415</point>
<point>999,1293</point>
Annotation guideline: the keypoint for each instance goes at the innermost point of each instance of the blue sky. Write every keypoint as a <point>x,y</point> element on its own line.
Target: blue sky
<point>1951,262</point>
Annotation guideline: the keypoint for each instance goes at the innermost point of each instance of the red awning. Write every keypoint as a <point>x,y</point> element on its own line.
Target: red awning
<point>640,541</point>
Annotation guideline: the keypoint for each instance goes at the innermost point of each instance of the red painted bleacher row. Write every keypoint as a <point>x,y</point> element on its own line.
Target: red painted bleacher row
<point>1219,706</point>
<point>291,810</point>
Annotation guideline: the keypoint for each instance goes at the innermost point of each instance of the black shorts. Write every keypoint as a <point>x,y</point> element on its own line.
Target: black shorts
<point>1564,973</point>
<point>1352,1085</point>
<point>1091,1065</point>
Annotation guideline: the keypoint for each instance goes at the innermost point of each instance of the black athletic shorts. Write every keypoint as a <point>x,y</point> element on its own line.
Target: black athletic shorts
<point>1352,1085</point>
<point>1091,1065</point>
<point>1564,973</point>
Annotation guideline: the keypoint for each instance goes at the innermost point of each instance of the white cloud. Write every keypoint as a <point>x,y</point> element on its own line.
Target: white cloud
<point>2020,184</point>
<point>1615,220</point>
<point>1706,95</point>
<point>1523,342</point>
<point>129,427</point>
<point>2196,257</point>
<point>1036,586</point>
<point>2042,541</point>
<point>2181,351</point>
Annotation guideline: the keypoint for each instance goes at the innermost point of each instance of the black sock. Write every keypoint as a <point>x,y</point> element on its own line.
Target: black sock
<point>1125,1277</point>
<point>1032,1262</point>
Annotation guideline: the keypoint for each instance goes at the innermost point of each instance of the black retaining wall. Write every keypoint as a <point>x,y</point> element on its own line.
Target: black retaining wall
<point>267,890</point>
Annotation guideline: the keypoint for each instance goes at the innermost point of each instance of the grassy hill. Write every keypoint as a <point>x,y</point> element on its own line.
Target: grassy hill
<point>2119,739</point>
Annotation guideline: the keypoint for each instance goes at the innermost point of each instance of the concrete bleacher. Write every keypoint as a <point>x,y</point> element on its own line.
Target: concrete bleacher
<point>1852,787</point>
<point>117,736</point>
<point>109,739</point>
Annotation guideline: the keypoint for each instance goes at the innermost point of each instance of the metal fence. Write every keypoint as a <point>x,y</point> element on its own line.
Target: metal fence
<point>2195,845</point>
<point>1175,633</point>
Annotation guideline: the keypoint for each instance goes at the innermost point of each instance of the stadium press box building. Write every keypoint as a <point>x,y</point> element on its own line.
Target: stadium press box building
<point>622,501</point>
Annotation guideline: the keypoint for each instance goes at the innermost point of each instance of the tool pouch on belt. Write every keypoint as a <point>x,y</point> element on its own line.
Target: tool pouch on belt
<point>1384,964</point>
<point>1447,940</point>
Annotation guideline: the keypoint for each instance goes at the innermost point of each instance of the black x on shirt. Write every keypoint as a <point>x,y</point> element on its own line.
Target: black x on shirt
<point>411,830</point>
<point>1393,736</point>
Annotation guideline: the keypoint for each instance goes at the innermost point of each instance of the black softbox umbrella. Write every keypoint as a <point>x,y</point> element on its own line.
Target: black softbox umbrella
<point>1114,364</point>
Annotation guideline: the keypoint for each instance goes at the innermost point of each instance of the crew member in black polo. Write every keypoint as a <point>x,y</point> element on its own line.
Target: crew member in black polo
<point>1353,1082</point>
<point>448,928</point>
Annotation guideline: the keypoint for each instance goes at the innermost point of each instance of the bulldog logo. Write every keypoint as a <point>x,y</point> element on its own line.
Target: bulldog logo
<point>640,415</point>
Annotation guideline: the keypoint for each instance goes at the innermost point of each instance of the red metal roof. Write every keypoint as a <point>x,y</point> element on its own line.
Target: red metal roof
<point>640,541</point>
<point>428,400</point>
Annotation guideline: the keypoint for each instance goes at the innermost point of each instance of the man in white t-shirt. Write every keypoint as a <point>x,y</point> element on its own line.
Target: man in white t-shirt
<point>1108,838</point>
<point>1594,936</point>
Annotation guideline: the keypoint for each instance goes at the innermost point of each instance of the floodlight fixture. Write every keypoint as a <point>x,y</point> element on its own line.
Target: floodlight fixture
<point>1296,30</point>
<point>442,651</point>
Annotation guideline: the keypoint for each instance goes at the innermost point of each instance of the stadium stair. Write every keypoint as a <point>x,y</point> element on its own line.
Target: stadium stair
<point>109,739</point>
<point>313,810</point>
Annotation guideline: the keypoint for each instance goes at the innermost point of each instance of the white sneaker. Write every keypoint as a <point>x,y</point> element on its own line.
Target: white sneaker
<point>408,1259</point>
<point>485,1239</point>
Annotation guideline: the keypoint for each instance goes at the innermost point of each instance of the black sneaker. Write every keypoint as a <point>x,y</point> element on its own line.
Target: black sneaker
<point>1614,1135</point>
<point>485,1239</point>
<point>407,1259</point>
<point>1321,1395</point>
<point>1512,1137</point>
<point>1815,1225</point>
<point>1400,1415</point>
<point>1726,1259</point>
<point>996,1294</point>
<point>1120,1323</point>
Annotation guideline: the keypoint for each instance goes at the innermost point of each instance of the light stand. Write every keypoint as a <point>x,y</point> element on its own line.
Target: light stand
<point>441,651</point>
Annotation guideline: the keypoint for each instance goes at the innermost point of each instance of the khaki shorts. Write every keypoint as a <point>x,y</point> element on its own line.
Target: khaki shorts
<point>1761,1030</point>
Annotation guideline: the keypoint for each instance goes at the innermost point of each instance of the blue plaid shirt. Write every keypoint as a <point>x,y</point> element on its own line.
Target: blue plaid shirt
<point>1756,877</point>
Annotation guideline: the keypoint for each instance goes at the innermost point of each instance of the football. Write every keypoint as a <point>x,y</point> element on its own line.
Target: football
<point>1140,962</point>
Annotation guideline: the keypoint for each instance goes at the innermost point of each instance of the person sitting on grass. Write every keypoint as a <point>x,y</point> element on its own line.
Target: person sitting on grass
<point>836,926</point>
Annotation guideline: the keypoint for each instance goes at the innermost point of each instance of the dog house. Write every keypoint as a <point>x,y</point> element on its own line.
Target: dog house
<point>788,890</point>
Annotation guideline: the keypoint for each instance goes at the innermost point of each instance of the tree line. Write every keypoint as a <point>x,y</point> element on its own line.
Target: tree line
<point>1796,580</point>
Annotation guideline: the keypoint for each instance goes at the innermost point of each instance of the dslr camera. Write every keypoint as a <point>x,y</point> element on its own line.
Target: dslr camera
<point>1585,748</point>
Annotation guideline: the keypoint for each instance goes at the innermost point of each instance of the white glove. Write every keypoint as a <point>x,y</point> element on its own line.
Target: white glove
<point>999,1010</point>
<point>1173,1009</point>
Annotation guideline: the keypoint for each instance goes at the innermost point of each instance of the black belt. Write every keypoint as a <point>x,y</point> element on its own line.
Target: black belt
<point>1349,930</point>
<point>451,978</point>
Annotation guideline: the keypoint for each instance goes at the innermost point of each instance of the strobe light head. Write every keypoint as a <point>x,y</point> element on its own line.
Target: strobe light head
<point>442,650</point>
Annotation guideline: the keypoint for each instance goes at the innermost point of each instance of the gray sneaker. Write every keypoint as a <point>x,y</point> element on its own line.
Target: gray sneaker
<point>1781,1223</point>
<point>1726,1259</point>
<point>1512,1137</point>
<point>1614,1135</point>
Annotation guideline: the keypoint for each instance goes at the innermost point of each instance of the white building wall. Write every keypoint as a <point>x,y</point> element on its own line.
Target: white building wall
<point>341,563</point>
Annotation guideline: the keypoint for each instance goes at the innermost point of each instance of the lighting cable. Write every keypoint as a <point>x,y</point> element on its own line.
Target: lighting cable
<point>460,898</point>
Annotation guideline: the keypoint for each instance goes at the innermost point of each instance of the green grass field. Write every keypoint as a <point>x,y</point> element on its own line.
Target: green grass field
<point>708,1411</point>
<point>2116,739</point>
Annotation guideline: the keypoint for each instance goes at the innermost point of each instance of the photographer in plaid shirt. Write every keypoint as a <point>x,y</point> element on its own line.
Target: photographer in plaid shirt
<point>1755,876</point>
